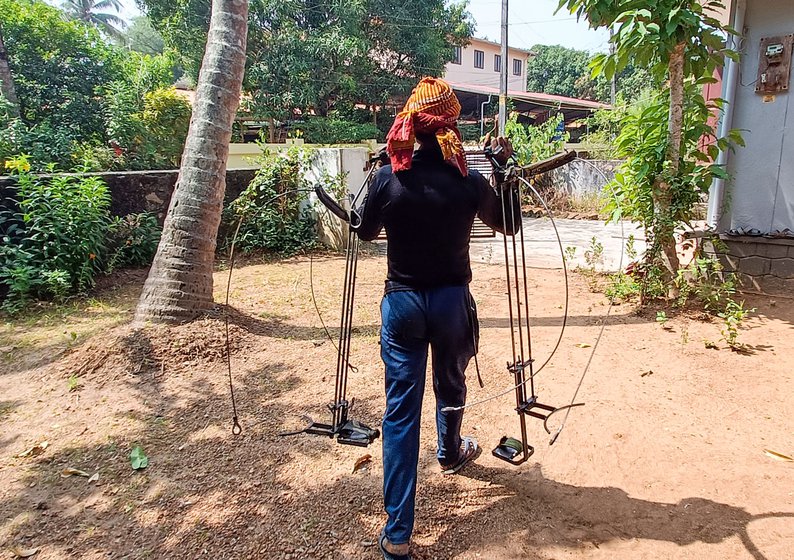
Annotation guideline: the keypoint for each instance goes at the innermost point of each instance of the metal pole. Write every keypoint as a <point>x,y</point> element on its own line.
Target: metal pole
<point>612,84</point>
<point>503,75</point>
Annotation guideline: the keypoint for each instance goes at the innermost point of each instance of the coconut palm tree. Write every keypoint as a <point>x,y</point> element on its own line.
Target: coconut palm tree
<point>96,13</point>
<point>179,285</point>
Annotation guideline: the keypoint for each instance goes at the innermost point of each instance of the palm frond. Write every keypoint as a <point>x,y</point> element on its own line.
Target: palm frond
<point>115,5</point>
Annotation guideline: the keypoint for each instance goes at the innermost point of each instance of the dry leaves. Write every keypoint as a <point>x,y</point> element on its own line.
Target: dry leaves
<point>582,345</point>
<point>361,462</point>
<point>71,471</point>
<point>20,552</point>
<point>37,449</point>
<point>777,456</point>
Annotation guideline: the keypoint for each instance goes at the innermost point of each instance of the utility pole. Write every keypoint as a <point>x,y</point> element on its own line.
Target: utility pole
<point>612,84</point>
<point>503,74</point>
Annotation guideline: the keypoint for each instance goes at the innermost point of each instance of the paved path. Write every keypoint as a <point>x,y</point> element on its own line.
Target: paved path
<point>542,250</point>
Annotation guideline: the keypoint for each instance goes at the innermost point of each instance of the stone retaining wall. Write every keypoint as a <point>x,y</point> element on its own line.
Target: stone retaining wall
<point>760,264</point>
<point>143,191</point>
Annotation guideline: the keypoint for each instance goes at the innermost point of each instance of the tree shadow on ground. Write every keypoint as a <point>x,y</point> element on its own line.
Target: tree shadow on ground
<point>545,512</point>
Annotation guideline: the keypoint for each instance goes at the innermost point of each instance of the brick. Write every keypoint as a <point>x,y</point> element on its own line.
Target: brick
<point>791,251</point>
<point>729,262</point>
<point>748,282</point>
<point>772,285</point>
<point>772,251</point>
<point>741,249</point>
<point>783,268</point>
<point>755,266</point>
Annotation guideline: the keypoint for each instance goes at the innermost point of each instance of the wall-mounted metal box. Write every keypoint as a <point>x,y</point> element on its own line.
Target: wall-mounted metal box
<point>774,65</point>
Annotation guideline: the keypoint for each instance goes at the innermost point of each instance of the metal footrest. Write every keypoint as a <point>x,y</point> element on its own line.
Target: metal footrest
<point>512,450</point>
<point>352,432</point>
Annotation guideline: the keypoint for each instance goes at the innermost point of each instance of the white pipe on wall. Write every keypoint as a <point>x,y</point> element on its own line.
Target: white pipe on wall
<point>717,190</point>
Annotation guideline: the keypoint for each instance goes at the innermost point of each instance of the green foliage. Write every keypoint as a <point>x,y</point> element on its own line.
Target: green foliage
<point>643,143</point>
<point>132,240</point>
<point>328,130</point>
<point>646,34</point>
<point>54,246</point>
<point>93,13</point>
<point>142,37</point>
<point>556,69</point>
<point>622,287</point>
<point>594,254</point>
<point>563,71</point>
<point>304,54</point>
<point>535,143</point>
<point>661,317</point>
<point>60,68</point>
<point>272,211</point>
<point>138,459</point>
<point>149,130</point>
<point>733,316</point>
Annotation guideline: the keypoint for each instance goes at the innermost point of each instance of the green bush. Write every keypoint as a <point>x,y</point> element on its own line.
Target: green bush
<point>60,68</point>
<point>148,129</point>
<point>272,210</point>
<point>329,130</point>
<point>535,143</point>
<point>55,244</point>
<point>132,240</point>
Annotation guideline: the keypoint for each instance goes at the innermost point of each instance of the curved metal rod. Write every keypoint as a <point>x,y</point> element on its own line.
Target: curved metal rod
<point>559,408</point>
<point>509,390</point>
<point>236,428</point>
<point>606,315</point>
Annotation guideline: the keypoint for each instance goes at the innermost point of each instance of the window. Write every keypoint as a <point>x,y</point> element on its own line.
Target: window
<point>456,55</point>
<point>517,67</point>
<point>479,59</point>
<point>497,63</point>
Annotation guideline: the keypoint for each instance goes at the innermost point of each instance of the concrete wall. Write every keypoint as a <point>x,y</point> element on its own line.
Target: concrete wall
<point>761,193</point>
<point>761,265</point>
<point>145,191</point>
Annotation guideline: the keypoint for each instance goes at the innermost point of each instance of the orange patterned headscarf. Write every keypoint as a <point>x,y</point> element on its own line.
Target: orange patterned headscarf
<point>432,108</point>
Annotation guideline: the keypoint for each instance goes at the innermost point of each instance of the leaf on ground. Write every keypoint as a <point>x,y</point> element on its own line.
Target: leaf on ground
<point>582,345</point>
<point>361,462</point>
<point>20,552</point>
<point>777,456</point>
<point>711,345</point>
<point>94,477</point>
<point>71,471</point>
<point>647,373</point>
<point>138,459</point>
<point>37,449</point>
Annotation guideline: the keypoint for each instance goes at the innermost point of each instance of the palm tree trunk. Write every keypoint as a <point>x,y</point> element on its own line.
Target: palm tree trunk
<point>7,80</point>
<point>179,285</point>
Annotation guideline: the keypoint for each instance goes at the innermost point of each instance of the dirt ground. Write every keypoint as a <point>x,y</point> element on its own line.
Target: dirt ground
<point>665,461</point>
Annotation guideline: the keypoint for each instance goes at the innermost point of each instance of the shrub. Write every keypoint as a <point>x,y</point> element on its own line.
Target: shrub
<point>272,211</point>
<point>132,240</point>
<point>535,143</point>
<point>60,68</point>
<point>325,130</point>
<point>56,241</point>
<point>149,129</point>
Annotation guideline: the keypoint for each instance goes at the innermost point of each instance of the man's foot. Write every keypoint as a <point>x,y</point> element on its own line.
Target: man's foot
<point>393,551</point>
<point>469,450</point>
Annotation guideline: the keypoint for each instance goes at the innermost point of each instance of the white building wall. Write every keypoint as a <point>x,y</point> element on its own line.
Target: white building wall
<point>466,73</point>
<point>760,193</point>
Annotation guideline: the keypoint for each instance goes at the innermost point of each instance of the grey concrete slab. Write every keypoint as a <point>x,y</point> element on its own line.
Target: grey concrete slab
<point>542,249</point>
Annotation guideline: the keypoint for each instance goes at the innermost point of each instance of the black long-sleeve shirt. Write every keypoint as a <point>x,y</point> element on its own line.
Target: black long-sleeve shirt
<point>428,212</point>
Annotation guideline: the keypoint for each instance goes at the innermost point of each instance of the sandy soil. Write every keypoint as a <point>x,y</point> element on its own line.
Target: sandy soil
<point>666,460</point>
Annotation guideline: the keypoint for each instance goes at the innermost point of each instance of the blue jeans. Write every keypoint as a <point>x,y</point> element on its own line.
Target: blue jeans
<point>411,321</point>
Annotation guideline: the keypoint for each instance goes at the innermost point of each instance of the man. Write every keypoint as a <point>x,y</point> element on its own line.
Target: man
<point>427,200</point>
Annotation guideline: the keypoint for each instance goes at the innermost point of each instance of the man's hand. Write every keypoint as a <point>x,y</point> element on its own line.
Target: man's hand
<point>500,155</point>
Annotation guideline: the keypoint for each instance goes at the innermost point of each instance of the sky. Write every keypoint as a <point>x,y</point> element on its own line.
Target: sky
<point>531,22</point>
